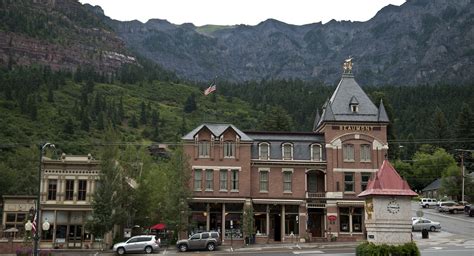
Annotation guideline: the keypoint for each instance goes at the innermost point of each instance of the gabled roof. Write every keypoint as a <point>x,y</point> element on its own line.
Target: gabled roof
<point>348,92</point>
<point>433,185</point>
<point>217,130</point>
<point>387,182</point>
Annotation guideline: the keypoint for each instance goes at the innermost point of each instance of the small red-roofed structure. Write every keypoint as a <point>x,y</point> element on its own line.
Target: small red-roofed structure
<point>387,182</point>
<point>388,207</point>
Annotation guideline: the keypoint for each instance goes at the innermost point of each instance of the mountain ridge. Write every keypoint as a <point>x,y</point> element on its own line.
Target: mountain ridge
<point>418,42</point>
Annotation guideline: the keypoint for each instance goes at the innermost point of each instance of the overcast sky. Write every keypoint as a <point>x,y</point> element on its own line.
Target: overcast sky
<point>250,12</point>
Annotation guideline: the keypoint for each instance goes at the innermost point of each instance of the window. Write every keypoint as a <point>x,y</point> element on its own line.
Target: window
<point>354,108</point>
<point>209,179</point>
<point>365,176</point>
<point>287,175</point>
<point>81,195</point>
<point>351,219</point>
<point>287,151</point>
<point>264,181</point>
<point>229,149</point>
<point>223,179</point>
<point>264,149</point>
<point>316,153</point>
<point>234,181</point>
<point>365,153</point>
<point>348,152</point>
<point>197,179</point>
<point>52,188</point>
<point>203,149</point>
<point>349,182</point>
<point>204,235</point>
<point>69,190</point>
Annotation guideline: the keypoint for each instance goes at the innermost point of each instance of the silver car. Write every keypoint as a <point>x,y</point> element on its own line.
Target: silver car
<point>422,223</point>
<point>145,243</point>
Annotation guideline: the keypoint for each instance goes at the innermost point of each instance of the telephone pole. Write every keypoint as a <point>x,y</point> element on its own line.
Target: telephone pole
<point>463,170</point>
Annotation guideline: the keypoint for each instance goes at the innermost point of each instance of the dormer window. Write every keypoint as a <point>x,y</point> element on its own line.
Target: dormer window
<point>316,153</point>
<point>229,149</point>
<point>354,105</point>
<point>264,151</point>
<point>287,151</point>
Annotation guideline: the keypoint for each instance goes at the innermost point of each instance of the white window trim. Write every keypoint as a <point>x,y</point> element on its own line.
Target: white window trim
<point>283,151</point>
<point>320,151</point>
<point>290,170</point>
<point>227,179</point>
<point>206,180</point>
<point>344,155</point>
<point>227,143</point>
<point>369,153</point>
<point>260,150</point>
<point>209,149</point>
<point>194,179</point>
<point>260,180</point>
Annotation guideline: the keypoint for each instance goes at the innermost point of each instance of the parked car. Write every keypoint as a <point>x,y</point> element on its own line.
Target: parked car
<point>144,243</point>
<point>423,223</point>
<point>427,202</point>
<point>444,206</point>
<point>469,210</point>
<point>456,208</point>
<point>204,240</point>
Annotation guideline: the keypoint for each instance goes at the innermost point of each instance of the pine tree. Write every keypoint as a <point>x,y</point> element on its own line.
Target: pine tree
<point>100,121</point>
<point>133,121</point>
<point>155,117</point>
<point>50,95</point>
<point>439,129</point>
<point>190,104</point>
<point>143,114</point>
<point>69,126</point>
<point>464,128</point>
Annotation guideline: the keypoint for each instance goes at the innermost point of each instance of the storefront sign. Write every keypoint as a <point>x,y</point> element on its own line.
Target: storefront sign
<point>332,218</point>
<point>362,128</point>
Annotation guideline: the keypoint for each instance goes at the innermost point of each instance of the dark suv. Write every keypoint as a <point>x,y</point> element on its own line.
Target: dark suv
<point>469,210</point>
<point>204,240</point>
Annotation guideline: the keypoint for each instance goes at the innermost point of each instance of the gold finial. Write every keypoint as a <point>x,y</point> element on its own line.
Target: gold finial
<point>348,66</point>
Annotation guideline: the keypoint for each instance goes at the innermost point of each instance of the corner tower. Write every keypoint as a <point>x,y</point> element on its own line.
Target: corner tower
<point>355,132</point>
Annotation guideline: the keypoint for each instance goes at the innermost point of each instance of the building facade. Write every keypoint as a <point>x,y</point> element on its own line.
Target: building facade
<point>299,184</point>
<point>67,188</point>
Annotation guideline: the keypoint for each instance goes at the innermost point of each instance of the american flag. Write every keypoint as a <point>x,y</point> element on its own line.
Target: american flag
<point>210,89</point>
<point>33,227</point>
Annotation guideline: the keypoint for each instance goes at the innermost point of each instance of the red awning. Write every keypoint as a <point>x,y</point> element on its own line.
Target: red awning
<point>158,226</point>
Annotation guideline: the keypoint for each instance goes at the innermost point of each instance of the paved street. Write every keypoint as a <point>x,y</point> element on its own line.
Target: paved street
<point>455,238</point>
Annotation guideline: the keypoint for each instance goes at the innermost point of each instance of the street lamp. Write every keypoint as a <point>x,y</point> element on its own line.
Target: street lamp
<point>46,225</point>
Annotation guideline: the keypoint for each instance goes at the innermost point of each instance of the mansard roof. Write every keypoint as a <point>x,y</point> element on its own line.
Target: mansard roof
<point>217,130</point>
<point>347,93</point>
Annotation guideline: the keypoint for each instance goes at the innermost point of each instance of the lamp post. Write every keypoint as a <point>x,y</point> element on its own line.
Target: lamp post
<point>46,225</point>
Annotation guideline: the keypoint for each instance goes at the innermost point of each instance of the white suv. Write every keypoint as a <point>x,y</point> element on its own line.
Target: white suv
<point>427,202</point>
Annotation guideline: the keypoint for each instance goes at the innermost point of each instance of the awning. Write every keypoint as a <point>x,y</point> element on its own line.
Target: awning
<point>351,203</point>
<point>277,201</point>
<point>159,226</point>
<point>217,200</point>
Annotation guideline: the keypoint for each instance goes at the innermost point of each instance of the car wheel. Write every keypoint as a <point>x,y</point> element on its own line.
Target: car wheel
<point>121,251</point>
<point>427,206</point>
<point>211,247</point>
<point>432,229</point>
<point>148,250</point>
<point>183,247</point>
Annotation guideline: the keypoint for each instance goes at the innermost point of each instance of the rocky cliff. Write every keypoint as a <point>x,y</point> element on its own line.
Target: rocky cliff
<point>421,41</point>
<point>62,34</point>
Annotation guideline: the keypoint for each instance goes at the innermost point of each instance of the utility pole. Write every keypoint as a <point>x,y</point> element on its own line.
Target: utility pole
<point>463,169</point>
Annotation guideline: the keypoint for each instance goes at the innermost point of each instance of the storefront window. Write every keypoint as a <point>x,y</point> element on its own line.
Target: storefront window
<point>291,224</point>
<point>236,219</point>
<point>357,220</point>
<point>344,224</point>
<point>351,219</point>
<point>260,224</point>
<point>198,222</point>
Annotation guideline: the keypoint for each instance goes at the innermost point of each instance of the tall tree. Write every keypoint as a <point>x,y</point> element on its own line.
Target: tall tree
<point>190,104</point>
<point>143,114</point>
<point>277,119</point>
<point>439,131</point>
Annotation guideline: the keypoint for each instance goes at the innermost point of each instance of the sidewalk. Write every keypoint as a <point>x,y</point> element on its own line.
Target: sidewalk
<point>441,238</point>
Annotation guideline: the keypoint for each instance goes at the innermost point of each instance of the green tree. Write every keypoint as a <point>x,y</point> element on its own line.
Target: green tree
<point>277,119</point>
<point>439,129</point>
<point>143,114</point>
<point>133,121</point>
<point>428,166</point>
<point>190,104</point>
<point>451,182</point>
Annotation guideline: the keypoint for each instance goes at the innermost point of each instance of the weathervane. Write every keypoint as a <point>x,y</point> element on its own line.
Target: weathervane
<point>348,66</point>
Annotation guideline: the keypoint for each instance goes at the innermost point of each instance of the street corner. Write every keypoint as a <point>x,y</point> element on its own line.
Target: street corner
<point>437,238</point>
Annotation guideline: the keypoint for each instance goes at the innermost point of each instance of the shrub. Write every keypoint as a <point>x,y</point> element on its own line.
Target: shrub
<point>370,249</point>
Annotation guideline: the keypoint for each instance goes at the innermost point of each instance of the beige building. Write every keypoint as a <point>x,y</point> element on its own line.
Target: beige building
<point>67,188</point>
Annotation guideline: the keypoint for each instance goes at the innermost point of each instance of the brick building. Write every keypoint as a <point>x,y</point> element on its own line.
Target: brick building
<point>300,184</point>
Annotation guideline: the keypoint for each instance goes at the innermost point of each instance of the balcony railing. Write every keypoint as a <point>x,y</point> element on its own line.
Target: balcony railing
<point>315,194</point>
<point>316,205</point>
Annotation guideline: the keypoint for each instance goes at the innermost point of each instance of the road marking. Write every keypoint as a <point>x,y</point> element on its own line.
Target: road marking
<point>308,252</point>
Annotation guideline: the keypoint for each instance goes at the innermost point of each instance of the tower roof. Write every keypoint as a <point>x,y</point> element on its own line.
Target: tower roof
<point>387,182</point>
<point>348,93</point>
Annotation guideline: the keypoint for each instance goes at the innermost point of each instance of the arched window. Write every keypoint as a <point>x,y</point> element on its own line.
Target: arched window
<point>348,152</point>
<point>365,153</point>
<point>316,152</point>
<point>264,151</point>
<point>287,151</point>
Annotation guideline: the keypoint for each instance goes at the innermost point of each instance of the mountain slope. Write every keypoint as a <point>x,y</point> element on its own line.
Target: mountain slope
<point>419,42</point>
<point>61,34</point>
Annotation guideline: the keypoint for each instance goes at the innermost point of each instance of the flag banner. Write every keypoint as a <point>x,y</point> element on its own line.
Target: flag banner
<point>210,89</point>
<point>33,227</point>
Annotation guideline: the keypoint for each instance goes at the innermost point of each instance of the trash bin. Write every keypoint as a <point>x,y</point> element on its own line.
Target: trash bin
<point>425,234</point>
